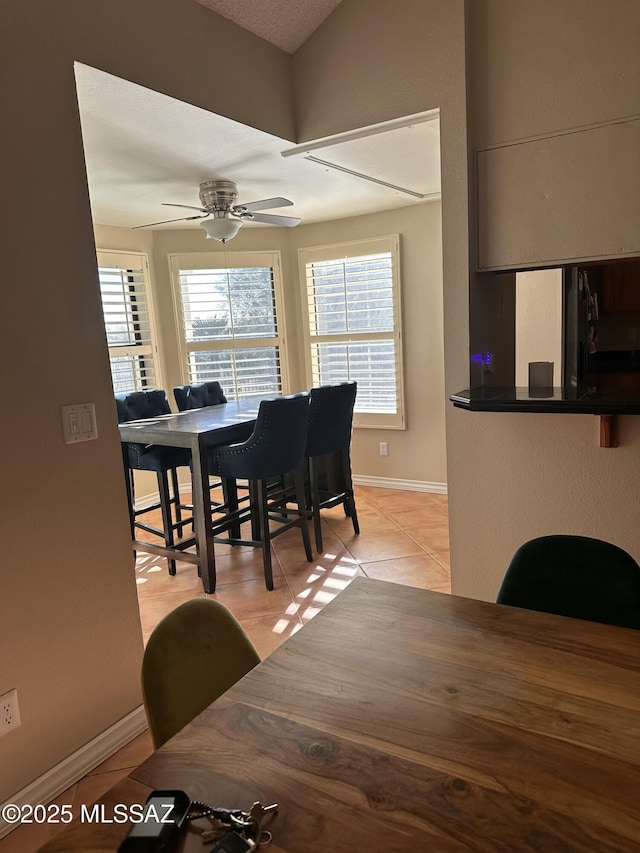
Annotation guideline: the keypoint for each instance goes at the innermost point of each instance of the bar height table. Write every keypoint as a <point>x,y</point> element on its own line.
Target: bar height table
<point>196,429</point>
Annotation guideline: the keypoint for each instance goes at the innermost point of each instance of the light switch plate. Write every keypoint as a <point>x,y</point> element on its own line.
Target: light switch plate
<point>79,422</point>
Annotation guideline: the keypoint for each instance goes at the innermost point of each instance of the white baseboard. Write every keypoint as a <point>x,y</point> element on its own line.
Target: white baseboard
<point>65,774</point>
<point>358,479</point>
<point>147,500</point>
<point>403,485</point>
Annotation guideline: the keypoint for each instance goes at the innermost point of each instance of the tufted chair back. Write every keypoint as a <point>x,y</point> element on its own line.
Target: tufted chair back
<point>276,445</point>
<point>198,396</point>
<point>142,404</point>
<point>330,418</point>
<point>139,405</point>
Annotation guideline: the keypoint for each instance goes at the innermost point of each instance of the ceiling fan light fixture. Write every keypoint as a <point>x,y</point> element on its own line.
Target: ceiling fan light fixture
<point>221,229</point>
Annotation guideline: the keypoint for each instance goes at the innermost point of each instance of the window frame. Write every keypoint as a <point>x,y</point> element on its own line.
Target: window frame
<point>126,260</point>
<point>224,261</point>
<point>352,249</point>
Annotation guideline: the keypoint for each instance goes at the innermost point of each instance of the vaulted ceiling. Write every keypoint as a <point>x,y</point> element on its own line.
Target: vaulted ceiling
<point>284,23</point>
<point>144,149</point>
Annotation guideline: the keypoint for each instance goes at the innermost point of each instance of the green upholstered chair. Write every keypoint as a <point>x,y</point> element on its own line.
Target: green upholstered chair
<point>196,653</point>
<point>575,576</point>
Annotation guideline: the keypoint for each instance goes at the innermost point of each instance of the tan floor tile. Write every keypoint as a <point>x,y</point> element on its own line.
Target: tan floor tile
<point>364,494</point>
<point>290,551</point>
<point>152,578</point>
<point>269,632</point>
<point>339,564</point>
<point>251,598</point>
<point>443,558</point>
<point>242,564</point>
<point>431,538</point>
<point>30,837</point>
<point>315,595</point>
<point>315,585</point>
<point>384,545</point>
<point>370,520</point>
<point>423,516</point>
<point>423,572</point>
<point>440,500</point>
<point>392,500</point>
<point>89,789</point>
<point>130,755</point>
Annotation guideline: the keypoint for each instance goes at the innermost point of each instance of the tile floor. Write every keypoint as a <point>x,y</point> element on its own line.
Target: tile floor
<point>404,538</point>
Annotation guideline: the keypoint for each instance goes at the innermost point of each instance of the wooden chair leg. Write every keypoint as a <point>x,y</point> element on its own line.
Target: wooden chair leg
<point>176,500</point>
<point>265,537</point>
<point>298,480</point>
<point>167,521</point>
<point>230,497</point>
<point>254,502</point>
<point>131,498</point>
<point>314,490</point>
<point>350,501</point>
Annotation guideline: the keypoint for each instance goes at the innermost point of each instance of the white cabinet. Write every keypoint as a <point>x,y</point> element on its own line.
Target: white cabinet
<point>574,196</point>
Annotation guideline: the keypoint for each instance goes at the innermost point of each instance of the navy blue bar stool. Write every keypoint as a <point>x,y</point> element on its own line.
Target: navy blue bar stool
<point>161,460</point>
<point>275,450</point>
<point>198,396</point>
<point>328,452</point>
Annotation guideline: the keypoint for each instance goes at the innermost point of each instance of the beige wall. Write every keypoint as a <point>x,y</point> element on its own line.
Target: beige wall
<point>70,638</point>
<point>543,67</point>
<point>417,453</point>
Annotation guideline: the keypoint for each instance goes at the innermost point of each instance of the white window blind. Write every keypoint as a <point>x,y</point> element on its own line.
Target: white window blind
<point>352,296</point>
<point>229,321</point>
<point>128,320</point>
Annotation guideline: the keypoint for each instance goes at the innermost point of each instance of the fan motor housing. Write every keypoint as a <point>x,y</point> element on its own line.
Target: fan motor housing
<point>218,195</point>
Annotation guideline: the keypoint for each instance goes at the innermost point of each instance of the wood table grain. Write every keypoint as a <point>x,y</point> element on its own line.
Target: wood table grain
<point>400,719</point>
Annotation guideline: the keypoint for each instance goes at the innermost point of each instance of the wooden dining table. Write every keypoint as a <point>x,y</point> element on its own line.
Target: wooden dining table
<point>400,719</point>
<point>197,430</point>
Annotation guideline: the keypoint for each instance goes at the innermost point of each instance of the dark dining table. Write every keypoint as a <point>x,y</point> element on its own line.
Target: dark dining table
<point>197,430</point>
<point>404,720</point>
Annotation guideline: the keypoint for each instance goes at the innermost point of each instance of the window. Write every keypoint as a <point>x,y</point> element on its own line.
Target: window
<point>352,298</point>
<point>228,306</point>
<point>127,319</point>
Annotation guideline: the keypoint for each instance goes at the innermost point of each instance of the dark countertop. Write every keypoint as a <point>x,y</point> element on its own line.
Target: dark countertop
<point>558,401</point>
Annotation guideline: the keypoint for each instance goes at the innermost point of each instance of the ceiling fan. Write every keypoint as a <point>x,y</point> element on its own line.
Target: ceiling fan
<point>218,199</point>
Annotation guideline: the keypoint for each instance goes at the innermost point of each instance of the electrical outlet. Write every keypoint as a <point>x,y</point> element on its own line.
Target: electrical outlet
<point>384,448</point>
<point>9,712</point>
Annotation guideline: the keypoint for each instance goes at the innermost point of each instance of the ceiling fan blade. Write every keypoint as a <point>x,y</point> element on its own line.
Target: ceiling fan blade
<point>165,221</point>
<point>189,206</point>
<point>263,204</point>
<point>271,219</point>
